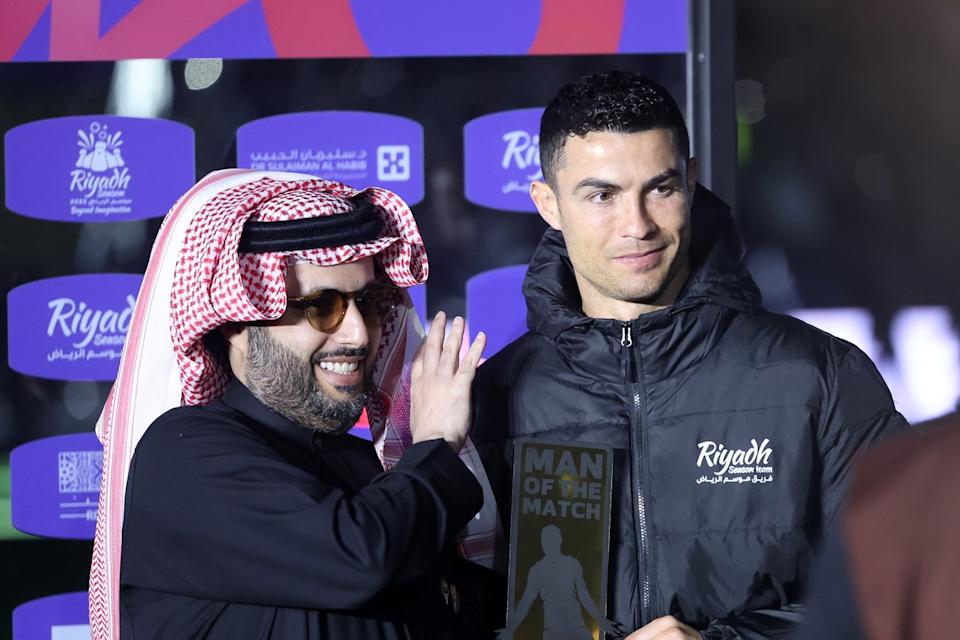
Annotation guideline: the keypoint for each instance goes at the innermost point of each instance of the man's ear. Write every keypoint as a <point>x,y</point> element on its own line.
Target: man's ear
<point>235,338</point>
<point>546,201</point>
<point>235,334</point>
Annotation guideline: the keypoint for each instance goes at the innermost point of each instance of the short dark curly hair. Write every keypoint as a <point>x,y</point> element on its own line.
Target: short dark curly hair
<point>618,101</point>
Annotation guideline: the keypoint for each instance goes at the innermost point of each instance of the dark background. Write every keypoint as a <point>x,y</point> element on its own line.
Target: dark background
<point>848,134</point>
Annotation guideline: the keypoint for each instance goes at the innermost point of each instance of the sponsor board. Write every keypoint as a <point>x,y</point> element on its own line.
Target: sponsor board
<point>72,327</point>
<point>60,617</point>
<point>97,168</point>
<point>54,485</point>
<point>501,159</point>
<point>358,148</point>
<point>495,305</point>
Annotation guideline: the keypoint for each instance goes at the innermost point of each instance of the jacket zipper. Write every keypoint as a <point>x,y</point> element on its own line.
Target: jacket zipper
<point>638,452</point>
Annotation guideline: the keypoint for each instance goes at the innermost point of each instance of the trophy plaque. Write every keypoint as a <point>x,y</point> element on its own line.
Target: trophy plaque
<point>559,540</point>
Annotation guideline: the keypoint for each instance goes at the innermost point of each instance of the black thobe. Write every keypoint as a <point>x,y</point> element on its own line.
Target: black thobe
<point>242,524</point>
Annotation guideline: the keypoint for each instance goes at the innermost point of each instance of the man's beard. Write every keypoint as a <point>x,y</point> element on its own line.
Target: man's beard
<point>287,384</point>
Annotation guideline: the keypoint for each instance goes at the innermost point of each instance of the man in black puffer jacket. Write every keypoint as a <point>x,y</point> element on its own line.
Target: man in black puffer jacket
<point>733,428</point>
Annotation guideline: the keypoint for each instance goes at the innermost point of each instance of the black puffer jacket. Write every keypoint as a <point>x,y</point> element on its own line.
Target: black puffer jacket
<point>733,429</point>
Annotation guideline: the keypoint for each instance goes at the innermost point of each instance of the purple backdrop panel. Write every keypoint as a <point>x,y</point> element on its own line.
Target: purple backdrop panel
<point>358,148</point>
<point>418,295</point>
<point>54,484</point>
<point>655,27</point>
<point>501,158</point>
<point>71,328</point>
<point>441,28</point>
<point>495,305</point>
<point>62,617</point>
<point>362,431</point>
<point>97,168</point>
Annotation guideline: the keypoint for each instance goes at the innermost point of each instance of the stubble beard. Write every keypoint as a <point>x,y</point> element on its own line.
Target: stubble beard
<point>287,384</point>
<point>649,290</point>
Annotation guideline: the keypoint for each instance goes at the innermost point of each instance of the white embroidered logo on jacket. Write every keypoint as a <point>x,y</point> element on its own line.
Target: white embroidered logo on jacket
<point>735,466</point>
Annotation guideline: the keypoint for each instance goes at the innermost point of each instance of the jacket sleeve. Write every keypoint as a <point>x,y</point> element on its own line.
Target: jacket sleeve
<point>208,519</point>
<point>759,624</point>
<point>857,411</point>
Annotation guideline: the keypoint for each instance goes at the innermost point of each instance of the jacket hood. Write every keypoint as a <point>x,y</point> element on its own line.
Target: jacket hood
<point>718,276</point>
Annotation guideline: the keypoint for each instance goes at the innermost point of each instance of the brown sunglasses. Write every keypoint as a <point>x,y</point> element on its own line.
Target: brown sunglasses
<point>326,309</point>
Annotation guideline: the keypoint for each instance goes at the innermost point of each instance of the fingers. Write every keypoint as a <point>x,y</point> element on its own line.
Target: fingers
<point>439,354</point>
<point>433,345</point>
<point>468,367</point>
<point>451,347</point>
<point>440,390</point>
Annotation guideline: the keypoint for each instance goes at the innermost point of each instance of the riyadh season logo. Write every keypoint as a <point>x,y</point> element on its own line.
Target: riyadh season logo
<point>737,466</point>
<point>100,178</point>
<point>99,150</point>
<point>71,328</point>
<point>87,327</point>
<point>521,151</point>
<point>502,158</point>
<point>98,168</point>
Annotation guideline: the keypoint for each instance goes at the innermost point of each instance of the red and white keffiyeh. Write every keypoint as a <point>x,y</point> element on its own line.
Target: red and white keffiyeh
<point>197,281</point>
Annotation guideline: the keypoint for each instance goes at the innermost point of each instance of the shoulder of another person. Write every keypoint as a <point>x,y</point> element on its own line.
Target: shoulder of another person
<point>515,360</point>
<point>922,455</point>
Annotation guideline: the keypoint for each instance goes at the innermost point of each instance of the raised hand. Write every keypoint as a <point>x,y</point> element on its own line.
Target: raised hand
<point>440,384</point>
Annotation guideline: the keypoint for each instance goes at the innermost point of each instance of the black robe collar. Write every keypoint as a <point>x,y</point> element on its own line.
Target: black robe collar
<point>239,398</point>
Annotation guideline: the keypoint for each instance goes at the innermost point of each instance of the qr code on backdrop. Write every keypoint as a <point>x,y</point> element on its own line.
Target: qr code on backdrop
<point>80,471</point>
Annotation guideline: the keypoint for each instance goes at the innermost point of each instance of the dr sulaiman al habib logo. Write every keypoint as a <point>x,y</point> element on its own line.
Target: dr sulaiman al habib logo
<point>735,466</point>
<point>393,162</point>
<point>355,147</point>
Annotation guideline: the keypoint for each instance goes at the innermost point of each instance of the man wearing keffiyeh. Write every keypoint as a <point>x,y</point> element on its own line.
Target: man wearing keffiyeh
<point>273,312</point>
